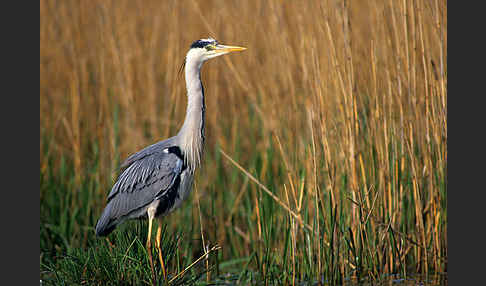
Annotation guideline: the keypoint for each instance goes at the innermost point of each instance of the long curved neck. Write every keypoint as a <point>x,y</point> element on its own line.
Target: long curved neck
<point>191,134</point>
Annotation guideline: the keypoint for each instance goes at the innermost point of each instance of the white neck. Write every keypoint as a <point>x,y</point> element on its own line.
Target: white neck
<point>191,134</point>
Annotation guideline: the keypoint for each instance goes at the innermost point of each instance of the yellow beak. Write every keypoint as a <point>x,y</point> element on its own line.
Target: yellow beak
<point>228,49</point>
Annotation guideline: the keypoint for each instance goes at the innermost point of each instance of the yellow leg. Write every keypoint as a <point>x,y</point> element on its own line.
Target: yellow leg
<point>157,244</point>
<point>149,250</point>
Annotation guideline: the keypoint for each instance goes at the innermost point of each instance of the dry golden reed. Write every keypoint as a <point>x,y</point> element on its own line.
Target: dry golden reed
<point>344,93</point>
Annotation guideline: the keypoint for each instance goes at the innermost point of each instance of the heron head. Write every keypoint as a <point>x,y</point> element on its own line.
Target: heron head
<point>205,49</point>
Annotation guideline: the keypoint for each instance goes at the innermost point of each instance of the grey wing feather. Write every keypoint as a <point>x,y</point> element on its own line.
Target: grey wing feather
<point>145,179</point>
<point>151,175</point>
<point>154,148</point>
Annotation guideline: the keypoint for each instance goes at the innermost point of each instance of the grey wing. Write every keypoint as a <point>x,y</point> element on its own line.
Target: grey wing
<point>153,176</point>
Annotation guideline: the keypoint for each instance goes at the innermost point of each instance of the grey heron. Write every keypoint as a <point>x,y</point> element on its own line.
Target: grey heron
<point>156,179</point>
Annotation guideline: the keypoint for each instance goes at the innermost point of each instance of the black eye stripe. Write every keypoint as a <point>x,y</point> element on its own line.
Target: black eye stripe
<point>198,44</point>
<point>202,44</point>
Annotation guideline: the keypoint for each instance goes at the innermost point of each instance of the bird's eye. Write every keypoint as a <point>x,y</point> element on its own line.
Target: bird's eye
<point>210,47</point>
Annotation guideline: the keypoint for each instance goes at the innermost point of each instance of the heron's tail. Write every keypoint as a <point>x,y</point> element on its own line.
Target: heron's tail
<point>106,224</point>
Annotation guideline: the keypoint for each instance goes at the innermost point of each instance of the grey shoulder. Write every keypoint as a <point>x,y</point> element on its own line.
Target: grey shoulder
<point>149,150</point>
<point>153,172</point>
